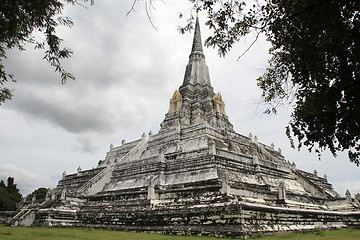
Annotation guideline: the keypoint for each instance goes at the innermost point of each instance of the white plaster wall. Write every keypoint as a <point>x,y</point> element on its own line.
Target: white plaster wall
<point>27,220</point>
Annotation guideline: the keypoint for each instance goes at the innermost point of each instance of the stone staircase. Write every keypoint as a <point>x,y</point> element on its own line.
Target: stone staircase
<point>318,184</point>
<point>92,183</point>
<point>21,213</point>
<point>97,183</point>
<point>20,218</point>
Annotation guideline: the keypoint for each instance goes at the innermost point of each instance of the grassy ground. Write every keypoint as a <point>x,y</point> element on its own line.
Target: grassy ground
<point>26,233</point>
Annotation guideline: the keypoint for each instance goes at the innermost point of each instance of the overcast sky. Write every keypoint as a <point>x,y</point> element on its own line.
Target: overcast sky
<point>126,72</point>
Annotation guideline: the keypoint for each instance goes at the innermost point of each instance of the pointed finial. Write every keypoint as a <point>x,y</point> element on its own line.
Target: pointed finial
<point>197,44</point>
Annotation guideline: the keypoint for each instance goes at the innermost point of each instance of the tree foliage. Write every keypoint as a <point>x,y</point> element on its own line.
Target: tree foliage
<point>316,50</point>
<point>314,65</point>
<point>19,20</point>
<point>9,195</point>
<point>40,194</point>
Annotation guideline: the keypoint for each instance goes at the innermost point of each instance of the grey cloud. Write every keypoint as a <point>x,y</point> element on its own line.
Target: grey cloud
<point>93,110</point>
<point>70,115</point>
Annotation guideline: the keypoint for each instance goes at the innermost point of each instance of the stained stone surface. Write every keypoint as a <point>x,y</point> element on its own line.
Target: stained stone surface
<point>196,176</point>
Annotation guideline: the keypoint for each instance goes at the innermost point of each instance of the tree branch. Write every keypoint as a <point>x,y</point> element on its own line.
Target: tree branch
<point>256,38</point>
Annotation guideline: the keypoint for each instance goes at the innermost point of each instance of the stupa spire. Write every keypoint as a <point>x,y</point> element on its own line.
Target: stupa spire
<point>197,43</point>
<point>195,102</point>
<point>197,71</point>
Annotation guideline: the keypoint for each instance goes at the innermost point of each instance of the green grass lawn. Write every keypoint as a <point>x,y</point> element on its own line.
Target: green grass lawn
<point>34,233</point>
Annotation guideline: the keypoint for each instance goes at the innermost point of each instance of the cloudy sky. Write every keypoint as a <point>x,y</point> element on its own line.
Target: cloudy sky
<point>126,72</point>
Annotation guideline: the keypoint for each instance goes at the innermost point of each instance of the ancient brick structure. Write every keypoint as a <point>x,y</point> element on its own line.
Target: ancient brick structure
<point>196,176</point>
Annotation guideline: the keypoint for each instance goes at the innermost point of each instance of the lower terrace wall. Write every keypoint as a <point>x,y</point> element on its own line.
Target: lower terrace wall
<point>216,219</point>
<point>6,216</point>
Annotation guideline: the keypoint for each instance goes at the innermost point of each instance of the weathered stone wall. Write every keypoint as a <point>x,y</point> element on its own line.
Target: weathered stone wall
<point>192,208</point>
<point>73,182</point>
<point>5,216</point>
<point>203,216</point>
